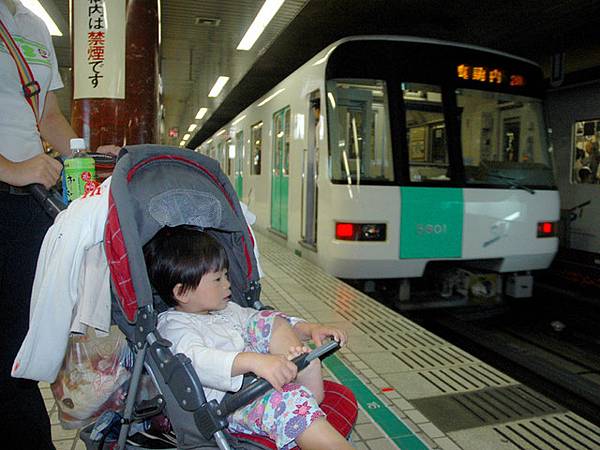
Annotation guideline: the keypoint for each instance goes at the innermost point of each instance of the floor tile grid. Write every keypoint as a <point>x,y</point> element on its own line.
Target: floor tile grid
<point>285,288</point>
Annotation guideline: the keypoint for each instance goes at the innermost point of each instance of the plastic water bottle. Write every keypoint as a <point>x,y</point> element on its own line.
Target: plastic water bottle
<point>79,175</point>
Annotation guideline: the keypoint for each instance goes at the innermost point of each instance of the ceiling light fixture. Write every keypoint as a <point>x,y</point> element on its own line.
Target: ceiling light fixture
<point>192,127</point>
<point>182,143</point>
<point>201,112</point>
<point>262,19</point>
<point>36,7</point>
<point>238,120</point>
<point>271,96</point>
<point>186,136</point>
<point>218,86</point>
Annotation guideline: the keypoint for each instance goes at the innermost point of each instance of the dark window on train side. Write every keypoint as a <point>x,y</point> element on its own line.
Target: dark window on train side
<point>426,133</point>
<point>360,149</point>
<point>586,152</point>
<point>256,148</point>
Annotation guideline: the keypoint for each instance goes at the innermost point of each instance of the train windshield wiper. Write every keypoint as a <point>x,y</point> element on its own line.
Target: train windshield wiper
<point>511,181</point>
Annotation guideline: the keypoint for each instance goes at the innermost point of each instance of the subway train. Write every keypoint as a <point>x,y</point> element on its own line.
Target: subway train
<point>383,155</point>
<point>573,107</point>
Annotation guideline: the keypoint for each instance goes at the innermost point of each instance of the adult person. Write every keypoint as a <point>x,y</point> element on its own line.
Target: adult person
<point>23,222</point>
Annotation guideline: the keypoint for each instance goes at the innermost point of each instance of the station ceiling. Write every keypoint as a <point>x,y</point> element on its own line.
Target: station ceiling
<point>199,40</point>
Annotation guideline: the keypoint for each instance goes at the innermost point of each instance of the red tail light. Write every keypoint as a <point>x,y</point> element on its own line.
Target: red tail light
<point>344,231</point>
<point>547,229</point>
<point>360,231</point>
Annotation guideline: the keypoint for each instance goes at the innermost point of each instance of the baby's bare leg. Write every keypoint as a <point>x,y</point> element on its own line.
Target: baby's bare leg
<point>319,435</point>
<point>282,338</point>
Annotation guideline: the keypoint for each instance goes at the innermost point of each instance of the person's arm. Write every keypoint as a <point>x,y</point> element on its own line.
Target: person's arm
<point>318,332</point>
<point>39,169</point>
<point>276,369</point>
<point>54,128</point>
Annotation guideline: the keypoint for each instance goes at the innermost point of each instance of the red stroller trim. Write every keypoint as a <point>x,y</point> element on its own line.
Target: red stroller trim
<point>116,255</point>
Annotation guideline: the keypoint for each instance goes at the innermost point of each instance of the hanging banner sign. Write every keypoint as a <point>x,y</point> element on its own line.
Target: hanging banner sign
<point>99,49</point>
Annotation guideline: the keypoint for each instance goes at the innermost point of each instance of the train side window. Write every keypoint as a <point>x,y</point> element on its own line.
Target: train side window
<point>359,133</point>
<point>426,133</point>
<point>256,148</point>
<point>227,156</point>
<point>586,152</point>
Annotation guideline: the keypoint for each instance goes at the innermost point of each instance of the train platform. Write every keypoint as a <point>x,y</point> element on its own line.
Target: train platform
<point>415,390</point>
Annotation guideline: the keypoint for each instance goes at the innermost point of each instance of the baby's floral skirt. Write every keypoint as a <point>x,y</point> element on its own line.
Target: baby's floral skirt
<point>282,416</point>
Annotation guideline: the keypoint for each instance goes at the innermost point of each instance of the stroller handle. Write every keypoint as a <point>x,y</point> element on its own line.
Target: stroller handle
<point>47,199</point>
<point>262,386</point>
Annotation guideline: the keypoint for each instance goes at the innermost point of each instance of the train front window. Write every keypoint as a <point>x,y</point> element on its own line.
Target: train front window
<point>359,134</point>
<point>425,133</point>
<point>503,139</point>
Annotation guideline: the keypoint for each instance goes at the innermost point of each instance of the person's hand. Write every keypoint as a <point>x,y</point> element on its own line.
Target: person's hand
<point>276,369</point>
<point>319,332</point>
<point>40,169</point>
<point>293,352</point>
<point>109,150</point>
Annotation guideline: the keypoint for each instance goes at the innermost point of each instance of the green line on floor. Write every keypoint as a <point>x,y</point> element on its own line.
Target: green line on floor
<point>397,431</point>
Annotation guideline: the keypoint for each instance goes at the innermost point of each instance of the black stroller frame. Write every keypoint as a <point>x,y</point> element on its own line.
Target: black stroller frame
<point>152,187</point>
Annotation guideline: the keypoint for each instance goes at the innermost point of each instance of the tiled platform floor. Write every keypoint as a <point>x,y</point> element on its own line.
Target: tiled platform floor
<point>412,374</point>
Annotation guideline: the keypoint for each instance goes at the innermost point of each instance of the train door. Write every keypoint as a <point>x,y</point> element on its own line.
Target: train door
<point>511,135</point>
<point>239,163</point>
<point>310,173</point>
<point>280,171</point>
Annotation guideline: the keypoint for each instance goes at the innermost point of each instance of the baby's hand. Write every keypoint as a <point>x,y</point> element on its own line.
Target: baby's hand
<point>276,369</point>
<point>297,351</point>
<point>319,332</point>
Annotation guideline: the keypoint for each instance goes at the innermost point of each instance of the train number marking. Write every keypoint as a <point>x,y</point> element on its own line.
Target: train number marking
<point>431,228</point>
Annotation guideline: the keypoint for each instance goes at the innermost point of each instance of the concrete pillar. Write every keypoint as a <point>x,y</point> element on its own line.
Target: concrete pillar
<point>134,119</point>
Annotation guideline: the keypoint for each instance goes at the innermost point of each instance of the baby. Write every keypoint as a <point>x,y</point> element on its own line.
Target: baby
<point>188,268</point>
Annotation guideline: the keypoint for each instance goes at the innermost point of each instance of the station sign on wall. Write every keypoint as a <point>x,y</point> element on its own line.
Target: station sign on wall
<point>99,49</point>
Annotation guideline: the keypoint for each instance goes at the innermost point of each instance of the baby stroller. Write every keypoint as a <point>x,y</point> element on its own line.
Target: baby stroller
<point>152,187</point>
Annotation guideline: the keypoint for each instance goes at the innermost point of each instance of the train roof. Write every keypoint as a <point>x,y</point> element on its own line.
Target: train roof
<point>324,54</point>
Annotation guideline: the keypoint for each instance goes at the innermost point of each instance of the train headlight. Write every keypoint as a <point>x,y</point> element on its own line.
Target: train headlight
<point>345,231</point>
<point>547,229</point>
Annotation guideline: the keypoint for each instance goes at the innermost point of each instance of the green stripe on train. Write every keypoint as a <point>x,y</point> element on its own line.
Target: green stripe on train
<point>396,430</point>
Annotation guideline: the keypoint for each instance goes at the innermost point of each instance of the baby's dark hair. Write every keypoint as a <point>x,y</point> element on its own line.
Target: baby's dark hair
<point>181,254</point>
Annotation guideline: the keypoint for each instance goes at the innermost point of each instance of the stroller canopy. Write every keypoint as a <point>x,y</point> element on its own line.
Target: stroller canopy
<point>155,186</point>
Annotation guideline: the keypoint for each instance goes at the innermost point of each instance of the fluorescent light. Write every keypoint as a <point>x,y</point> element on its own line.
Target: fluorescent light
<point>271,96</point>
<point>186,136</point>
<point>209,141</point>
<point>201,112</point>
<point>38,10</point>
<point>331,99</point>
<point>262,19</point>
<point>218,86</point>
<point>182,143</point>
<point>238,120</point>
<point>192,127</point>
<point>220,132</point>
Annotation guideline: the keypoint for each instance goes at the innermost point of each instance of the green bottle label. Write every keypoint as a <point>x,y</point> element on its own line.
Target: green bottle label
<point>80,174</point>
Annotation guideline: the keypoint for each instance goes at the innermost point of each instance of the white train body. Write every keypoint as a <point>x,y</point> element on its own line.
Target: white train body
<point>383,206</point>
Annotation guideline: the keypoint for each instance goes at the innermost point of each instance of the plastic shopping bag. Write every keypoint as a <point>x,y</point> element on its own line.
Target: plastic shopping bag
<point>93,378</point>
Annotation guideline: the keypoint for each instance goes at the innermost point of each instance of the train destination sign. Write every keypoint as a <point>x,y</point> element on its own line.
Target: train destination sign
<point>491,75</point>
